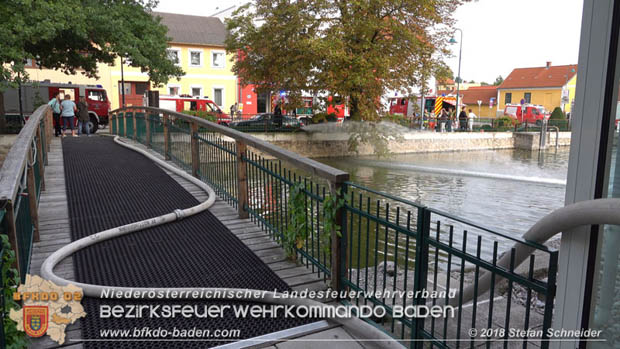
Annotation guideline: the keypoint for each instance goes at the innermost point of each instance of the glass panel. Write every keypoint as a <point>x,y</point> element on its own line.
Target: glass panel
<point>195,57</point>
<point>606,290</point>
<point>218,60</point>
<point>141,88</point>
<point>127,86</point>
<point>196,91</point>
<point>217,96</point>
<point>173,55</point>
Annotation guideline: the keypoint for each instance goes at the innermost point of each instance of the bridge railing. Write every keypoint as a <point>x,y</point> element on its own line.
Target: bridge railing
<point>22,178</point>
<point>382,243</point>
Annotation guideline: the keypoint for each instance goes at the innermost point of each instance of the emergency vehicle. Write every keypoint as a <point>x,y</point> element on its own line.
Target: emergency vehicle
<point>186,102</point>
<point>38,92</point>
<point>534,114</point>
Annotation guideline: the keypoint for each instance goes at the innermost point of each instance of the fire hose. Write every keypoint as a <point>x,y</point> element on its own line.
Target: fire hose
<point>357,327</point>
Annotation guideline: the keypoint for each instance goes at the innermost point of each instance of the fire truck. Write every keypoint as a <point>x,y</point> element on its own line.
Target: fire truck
<point>187,102</point>
<point>34,94</point>
<point>405,106</point>
<point>534,114</point>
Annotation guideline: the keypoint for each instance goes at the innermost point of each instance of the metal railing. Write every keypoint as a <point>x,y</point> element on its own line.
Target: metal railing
<point>22,178</point>
<point>386,243</point>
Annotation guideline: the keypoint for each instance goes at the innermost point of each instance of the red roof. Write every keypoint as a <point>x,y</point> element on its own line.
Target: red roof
<point>552,76</point>
<point>447,81</point>
<point>483,93</point>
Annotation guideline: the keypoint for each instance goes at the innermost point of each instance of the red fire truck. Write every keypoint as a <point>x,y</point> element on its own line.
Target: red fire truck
<point>42,92</point>
<point>534,114</point>
<point>186,102</point>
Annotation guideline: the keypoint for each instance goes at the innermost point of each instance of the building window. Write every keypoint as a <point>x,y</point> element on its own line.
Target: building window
<point>30,63</point>
<point>195,58</point>
<point>218,96</point>
<point>508,98</point>
<point>217,59</point>
<point>126,86</point>
<point>528,97</point>
<point>174,55</point>
<point>196,91</point>
<point>141,88</point>
<point>174,90</point>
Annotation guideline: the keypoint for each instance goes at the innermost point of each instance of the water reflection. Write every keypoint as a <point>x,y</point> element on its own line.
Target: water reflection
<point>505,205</point>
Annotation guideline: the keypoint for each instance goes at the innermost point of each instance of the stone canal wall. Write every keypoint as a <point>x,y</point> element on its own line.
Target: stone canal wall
<point>334,144</point>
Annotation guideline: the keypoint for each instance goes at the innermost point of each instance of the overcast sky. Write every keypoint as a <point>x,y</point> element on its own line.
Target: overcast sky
<point>498,35</point>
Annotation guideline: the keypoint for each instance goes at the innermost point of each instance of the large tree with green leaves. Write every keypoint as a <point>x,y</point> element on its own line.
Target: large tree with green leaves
<point>354,48</point>
<point>72,35</point>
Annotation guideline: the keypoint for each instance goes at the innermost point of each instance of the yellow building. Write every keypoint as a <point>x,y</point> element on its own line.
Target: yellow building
<point>549,86</point>
<point>197,46</point>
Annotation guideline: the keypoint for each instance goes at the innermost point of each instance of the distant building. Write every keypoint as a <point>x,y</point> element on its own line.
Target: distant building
<point>198,47</point>
<point>485,94</point>
<point>549,86</point>
<point>451,85</point>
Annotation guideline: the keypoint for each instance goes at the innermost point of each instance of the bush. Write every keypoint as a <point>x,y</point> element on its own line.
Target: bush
<point>324,117</point>
<point>505,121</point>
<point>207,115</point>
<point>557,114</point>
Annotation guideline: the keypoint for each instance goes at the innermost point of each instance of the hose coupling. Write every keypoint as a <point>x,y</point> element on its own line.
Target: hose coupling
<point>179,213</point>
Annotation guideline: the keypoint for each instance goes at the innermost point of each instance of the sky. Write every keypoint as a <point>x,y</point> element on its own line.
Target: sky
<point>498,35</point>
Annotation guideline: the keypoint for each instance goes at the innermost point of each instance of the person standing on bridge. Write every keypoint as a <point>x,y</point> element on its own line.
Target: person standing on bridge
<point>54,103</point>
<point>83,117</point>
<point>67,113</point>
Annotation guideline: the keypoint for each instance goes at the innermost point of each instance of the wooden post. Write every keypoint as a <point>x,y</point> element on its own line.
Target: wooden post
<point>195,150</point>
<point>135,125</point>
<point>49,127</point>
<point>147,120</point>
<point>31,185</point>
<point>242,181</point>
<point>12,233</point>
<point>124,124</point>
<point>166,138</point>
<point>338,243</point>
<point>40,159</point>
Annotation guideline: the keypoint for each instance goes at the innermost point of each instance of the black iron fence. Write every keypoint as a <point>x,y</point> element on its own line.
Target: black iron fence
<point>396,254</point>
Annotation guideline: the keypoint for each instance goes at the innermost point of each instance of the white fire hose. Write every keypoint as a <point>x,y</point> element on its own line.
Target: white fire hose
<point>358,328</point>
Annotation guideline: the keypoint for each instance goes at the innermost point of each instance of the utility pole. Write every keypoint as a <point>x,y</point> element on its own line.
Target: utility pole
<point>458,77</point>
<point>122,84</point>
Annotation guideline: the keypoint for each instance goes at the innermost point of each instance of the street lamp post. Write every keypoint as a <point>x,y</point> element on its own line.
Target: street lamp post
<point>458,76</point>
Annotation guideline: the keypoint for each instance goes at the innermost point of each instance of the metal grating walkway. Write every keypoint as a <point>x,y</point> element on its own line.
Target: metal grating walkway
<point>107,186</point>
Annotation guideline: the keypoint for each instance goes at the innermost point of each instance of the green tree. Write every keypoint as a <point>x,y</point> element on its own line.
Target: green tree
<point>74,35</point>
<point>356,48</point>
<point>557,114</point>
<point>498,81</point>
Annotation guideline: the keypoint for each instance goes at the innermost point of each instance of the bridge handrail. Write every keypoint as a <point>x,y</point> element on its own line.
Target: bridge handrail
<point>16,160</point>
<point>329,173</point>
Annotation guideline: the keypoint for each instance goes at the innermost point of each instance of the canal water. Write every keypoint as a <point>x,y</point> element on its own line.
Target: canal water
<point>505,190</point>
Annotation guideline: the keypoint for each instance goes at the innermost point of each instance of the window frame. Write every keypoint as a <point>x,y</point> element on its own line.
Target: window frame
<point>189,61</point>
<point>223,95</point>
<point>507,97</point>
<point>223,53</point>
<point>191,90</point>
<point>168,86</point>
<point>527,96</point>
<point>178,51</point>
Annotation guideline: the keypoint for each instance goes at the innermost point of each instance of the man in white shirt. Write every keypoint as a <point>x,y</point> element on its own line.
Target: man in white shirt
<point>470,120</point>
